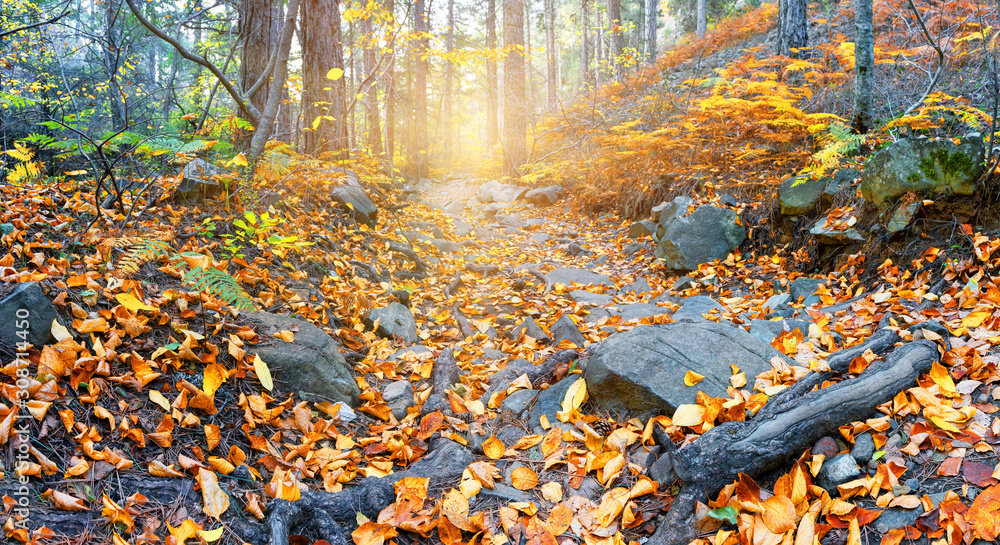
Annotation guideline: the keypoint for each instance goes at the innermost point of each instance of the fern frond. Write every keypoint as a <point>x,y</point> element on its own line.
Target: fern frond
<point>221,285</point>
<point>838,141</point>
<point>140,251</point>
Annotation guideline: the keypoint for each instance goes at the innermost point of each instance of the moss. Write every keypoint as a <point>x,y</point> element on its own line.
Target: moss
<point>913,178</point>
<point>957,162</point>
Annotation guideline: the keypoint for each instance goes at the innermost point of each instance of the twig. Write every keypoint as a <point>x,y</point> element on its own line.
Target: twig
<point>941,60</point>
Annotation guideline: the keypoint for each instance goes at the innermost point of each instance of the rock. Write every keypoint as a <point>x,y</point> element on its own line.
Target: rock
<point>494,191</point>
<point>662,471</point>
<point>549,402</point>
<point>644,456</point>
<point>827,446</point>
<point>310,364</point>
<point>545,196</point>
<point>674,210</point>
<point>518,402</point>
<point>510,435</point>
<point>843,180</point>
<point>398,396</point>
<point>841,469</point>
<point>395,321</point>
<point>575,249</point>
<point>510,221</point>
<point>895,518</point>
<point>708,234</point>
<point>633,248</point>
<point>638,287</point>
<point>641,229</point>
<point>462,228</point>
<point>361,205</point>
<point>6,228</point>
<point>776,302</point>
<point>636,311</point>
<point>832,237</point>
<point>485,191</point>
<point>198,182</point>
<point>568,276</point>
<point>589,488</point>
<point>728,200</point>
<point>447,246</point>
<point>768,330</point>
<point>694,308</point>
<point>921,164</point>
<point>902,217</point>
<point>589,298</point>
<point>27,315</point>
<point>643,369</point>
<point>531,329</point>
<point>799,194</point>
<point>419,351</point>
<point>596,314</point>
<point>864,448</point>
<point>657,210</point>
<point>539,238</point>
<point>682,283</point>
<point>453,208</point>
<point>565,329</point>
<point>804,288</point>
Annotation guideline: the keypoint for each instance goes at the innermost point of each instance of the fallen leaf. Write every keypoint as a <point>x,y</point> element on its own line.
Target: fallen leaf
<point>132,303</point>
<point>263,373</point>
<point>691,378</point>
<point>523,478</point>
<point>216,502</point>
<point>984,513</point>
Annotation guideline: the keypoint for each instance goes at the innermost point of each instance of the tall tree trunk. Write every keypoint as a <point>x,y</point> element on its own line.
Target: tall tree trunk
<point>493,95</point>
<point>793,32</point>
<point>420,90</point>
<point>112,60</point>
<point>598,45</point>
<point>530,106</point>
<point>615,26</point>
<point>652,20</point>
<point>372,118</point>
<point>584,42</point>
<point>514,123</point>
<point>390,93</point>
<point>550,53</point>
<point>864,64</point>
<point>258,27</point>
<point>640,32</point>
<point>323,99</point>
<point>449,77</point>
<point>702,21</point>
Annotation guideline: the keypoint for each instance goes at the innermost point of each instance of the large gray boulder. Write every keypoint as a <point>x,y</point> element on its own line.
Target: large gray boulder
<point>395,321</point>
<point>708,234</point>
<point>310,364</point>
<point>24,305</point>
<point>568,275</point>
<point>494,191</point>
<point>643,369</point>
<point>545,196</point>
<point>362,206</point>
<point>199,182</point>
<point>667,213</point>
<point>800,194</point>
<point>921,164</point>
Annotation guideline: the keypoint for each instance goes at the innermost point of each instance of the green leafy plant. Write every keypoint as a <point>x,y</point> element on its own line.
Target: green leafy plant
<point>259,231</point>
<point>221,285</point>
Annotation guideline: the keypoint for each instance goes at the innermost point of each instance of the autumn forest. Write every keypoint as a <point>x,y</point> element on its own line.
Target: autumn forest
<point>488,272</point>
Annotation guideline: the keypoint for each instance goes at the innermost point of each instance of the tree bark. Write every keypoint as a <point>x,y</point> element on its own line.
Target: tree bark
<point>320,39</point>
<point>493,95</point>
<point>372,118</point>
<point>615,24</point>
<point>449,86</point>
<point>550,53</point>
<point>652,19</point>
<point>864,64</point>
<point>584,41</point>
<point>275,95</point>
<point>259,27</point>
<point>702,22</point>
<point>390,94</point>
<point>793,30</point>
<point>420,90</point>
<point>514,125</point>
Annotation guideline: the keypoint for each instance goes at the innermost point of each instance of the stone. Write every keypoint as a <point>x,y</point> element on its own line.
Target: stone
<point>596,314</point>
<point>418,351</point>
<point>833,237</point>
<point>922,164</point>
<point>589,488</point>
<point>361,205</point>
<point>643,369</point>
<point>585,297</point>
<point>6,229</point>
<point>632,248</point>
<point>636,311</point>
<point>728,200</point>
<point>510,435</point>
<point>506,494</point>
<point>447,246</point>
<point>694,308</point>
<point>827,446</point>
<point>839,470</point>
<point>864,448</point>
<point>804,288</point>
<point>575,249</point>
<point>453,208</point>
<point>310,364</point>
<point>27,315</point>
<point>540,238</point>
<point>843,180</point>
<point>530,328</point>
<point>199,182</point>
<point>462,228</point>
<point>682,283</point>
<point>518,401</point>
<point>495,192</point>
<point>776,302</point>
<point>708,234</point>
<point>565,329</point>
<point>549,402</point>
<point>545,196</point>
<point>799,195</point>
<point>768,330</point>
<point>395,321</point>
<point>638,287</point>
<point>568,276</point>
<point>641,229</point>
<point>674,210</point>
<point>902,217</point>
<point>896,518</point>
<point>398,396</point>
<point>644,456</point>
<point>657,210</point>
<point>662,471</point>
<point>444,374</point>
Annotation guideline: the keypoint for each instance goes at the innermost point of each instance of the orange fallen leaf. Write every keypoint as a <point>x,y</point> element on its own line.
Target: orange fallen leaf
<point>691,378</point>
<point>493,448</point>
<point>64,501</point>
<point>216,502</point>
<point>523,478</point>
<point>984,514</point>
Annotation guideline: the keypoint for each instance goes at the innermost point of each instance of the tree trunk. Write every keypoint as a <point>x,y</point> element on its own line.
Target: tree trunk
<point>420,90</point>
<point>598,45</point>
<point>258,26</point>
<point>530,106</point>
<point>652,19</point>
<point>493,96</point>
<point>320,39</point>
<point>615,25</point>
<point>112,60</point>
<point>864,64</point>
<point>449,86</point>
<point>793,31</point>
<point>702,22</point>
<point>390,94</point>
<point>550,53</point>
<point>514,123</point>
<point>372,118</point>
<point>584,42</point>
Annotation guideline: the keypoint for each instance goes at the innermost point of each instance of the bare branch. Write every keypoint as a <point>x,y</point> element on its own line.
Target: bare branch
<point>941,60</point>
<point>34,25</point>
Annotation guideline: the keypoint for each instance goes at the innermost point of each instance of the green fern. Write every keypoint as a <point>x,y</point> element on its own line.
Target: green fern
<point>838,141</point>
<point>140,250</point>
<point>221,285</point>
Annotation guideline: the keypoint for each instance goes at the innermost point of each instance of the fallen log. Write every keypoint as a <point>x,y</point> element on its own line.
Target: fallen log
<point>785,427</point>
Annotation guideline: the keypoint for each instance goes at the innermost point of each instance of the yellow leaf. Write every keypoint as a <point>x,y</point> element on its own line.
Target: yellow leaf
<point>523,478</point>
<point>552,491</point>
<point>691,378</point>
<point>263,373</point>
<point>156,397</point>
<point>211,535</point>
<point>941,377</point>
<point>215,375</point>
<point>334,74</point>
<point>575,396</point>
<point>189,117</point>
<point>132,303</point>
<point>59,331</point>
<point>216,501</point>
<point>240,160</point>
<point>689,415</point>
<point>493,448</point>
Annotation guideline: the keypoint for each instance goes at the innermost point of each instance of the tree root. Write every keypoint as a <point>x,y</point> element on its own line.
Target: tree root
<point>790,423</point>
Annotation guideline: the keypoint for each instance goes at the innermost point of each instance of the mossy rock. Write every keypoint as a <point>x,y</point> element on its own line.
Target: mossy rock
<point>919,164</point>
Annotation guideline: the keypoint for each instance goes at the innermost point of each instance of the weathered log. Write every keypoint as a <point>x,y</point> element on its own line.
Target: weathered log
<point>462,321</point>
<point>782,430</point>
